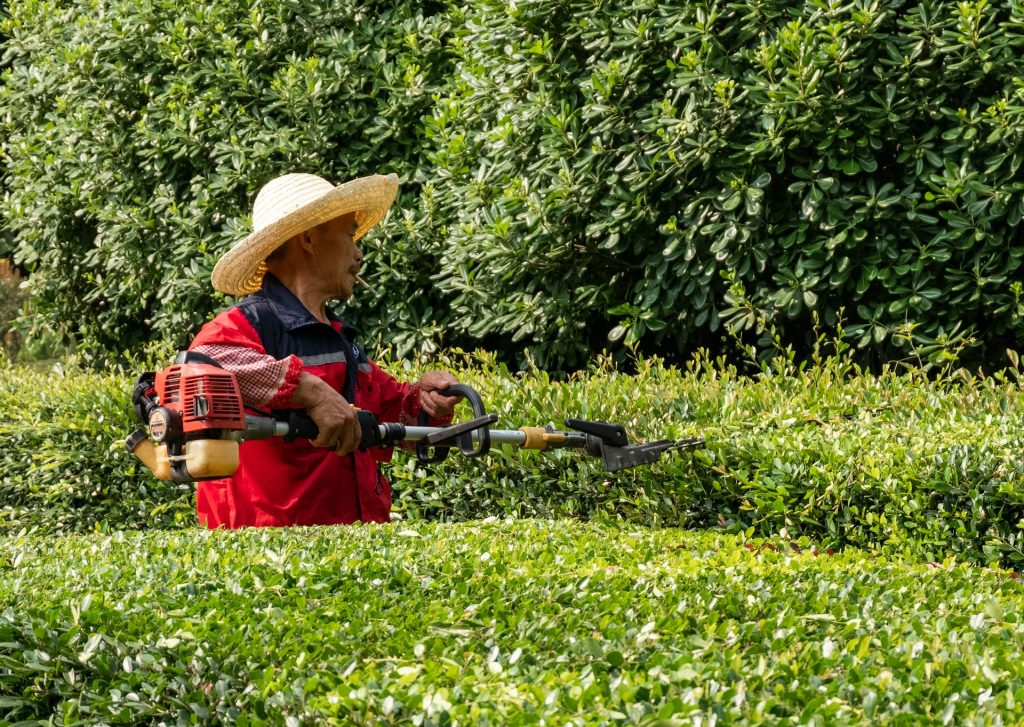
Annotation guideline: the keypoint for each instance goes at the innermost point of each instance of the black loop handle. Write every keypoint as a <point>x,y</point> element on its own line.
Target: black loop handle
<point>465,441</point>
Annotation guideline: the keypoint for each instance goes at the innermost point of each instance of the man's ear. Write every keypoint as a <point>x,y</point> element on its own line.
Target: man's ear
<point>306,240</point>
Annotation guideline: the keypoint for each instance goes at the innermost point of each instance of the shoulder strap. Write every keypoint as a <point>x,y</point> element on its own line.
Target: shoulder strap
<point>351,366</point>
<point>258,311</point>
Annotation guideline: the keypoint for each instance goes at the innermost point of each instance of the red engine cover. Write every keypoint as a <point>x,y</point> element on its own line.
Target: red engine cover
<point>207,397</point>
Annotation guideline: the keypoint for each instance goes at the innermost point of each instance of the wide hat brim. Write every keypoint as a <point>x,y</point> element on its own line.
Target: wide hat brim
<point>240,270</point>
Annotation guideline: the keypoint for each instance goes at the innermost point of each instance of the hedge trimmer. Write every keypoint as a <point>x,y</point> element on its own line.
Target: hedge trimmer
<point>196,418</point>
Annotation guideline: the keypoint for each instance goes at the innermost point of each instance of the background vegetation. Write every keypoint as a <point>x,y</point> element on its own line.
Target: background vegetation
<point>649,171</point>
<point>137,134</point>
<point>576,174</point>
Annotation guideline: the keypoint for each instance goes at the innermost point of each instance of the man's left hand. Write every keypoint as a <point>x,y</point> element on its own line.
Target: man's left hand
<point>432,397</point>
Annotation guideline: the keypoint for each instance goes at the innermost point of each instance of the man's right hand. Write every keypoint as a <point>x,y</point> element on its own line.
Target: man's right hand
<point>333,415</point>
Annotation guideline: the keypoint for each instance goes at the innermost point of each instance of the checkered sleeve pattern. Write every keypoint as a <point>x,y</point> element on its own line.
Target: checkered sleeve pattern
<point>262,379</point>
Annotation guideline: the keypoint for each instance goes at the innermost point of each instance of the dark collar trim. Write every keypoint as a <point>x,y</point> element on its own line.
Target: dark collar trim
<point>290,310</point>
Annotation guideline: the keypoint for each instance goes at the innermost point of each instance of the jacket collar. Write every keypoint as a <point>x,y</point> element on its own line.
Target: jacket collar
<point>290,310</point>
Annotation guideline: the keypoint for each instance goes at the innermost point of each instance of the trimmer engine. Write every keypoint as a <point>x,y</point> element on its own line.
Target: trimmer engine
<point>194,413</point>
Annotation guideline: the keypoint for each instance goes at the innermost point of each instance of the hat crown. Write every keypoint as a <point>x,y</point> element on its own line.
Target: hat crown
<point>284,195</point>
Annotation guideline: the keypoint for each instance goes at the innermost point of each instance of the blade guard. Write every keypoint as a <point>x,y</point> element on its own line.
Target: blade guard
<point>610,442</point>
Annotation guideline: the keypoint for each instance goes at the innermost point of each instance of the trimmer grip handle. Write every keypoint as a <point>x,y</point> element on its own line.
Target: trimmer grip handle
<point>370,428</point>
<point>302,426</point>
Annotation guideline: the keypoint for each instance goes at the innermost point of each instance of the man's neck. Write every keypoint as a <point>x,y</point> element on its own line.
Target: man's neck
<point>307,292</point>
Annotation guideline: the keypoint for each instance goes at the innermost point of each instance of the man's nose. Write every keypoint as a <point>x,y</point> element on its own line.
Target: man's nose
<point>359,255</point>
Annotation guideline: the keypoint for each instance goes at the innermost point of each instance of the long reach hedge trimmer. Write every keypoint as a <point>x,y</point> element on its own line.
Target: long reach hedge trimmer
<point>196,418</point>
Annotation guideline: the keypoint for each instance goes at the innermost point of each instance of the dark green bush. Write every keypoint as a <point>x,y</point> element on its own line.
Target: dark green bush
<point>137,134</point>
<point>649,171</point>
<point>575,172</point>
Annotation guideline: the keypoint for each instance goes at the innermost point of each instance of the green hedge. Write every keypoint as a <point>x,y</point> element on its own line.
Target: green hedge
<point>497,623</point>
<point>63,465</point>
<point>574,172</point>
<point>895,463</point>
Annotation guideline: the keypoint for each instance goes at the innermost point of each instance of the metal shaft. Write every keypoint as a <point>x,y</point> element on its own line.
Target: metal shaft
<point>517,437</point>
<point>527,438</point>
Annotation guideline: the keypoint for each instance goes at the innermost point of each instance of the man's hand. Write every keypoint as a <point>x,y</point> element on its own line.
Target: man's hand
<point>334,417</point>
<point>432,397</point>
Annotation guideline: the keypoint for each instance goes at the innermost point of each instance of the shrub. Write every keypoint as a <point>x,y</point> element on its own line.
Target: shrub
<point>137,134</point>
<point>575,172</point>
<point>497,623</point>
<point>651,171</point>
<point>892,463</point>
<point>63,465</point>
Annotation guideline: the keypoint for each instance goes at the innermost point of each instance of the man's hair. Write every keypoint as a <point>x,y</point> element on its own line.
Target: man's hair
<point>277,254</point>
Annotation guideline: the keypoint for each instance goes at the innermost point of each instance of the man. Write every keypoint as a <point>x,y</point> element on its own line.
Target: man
<point>289,350</point>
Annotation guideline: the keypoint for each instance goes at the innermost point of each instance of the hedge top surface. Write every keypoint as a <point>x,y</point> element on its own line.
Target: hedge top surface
<point>499,623</point>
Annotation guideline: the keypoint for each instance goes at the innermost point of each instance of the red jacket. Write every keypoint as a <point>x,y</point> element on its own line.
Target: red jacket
<point>268,340</point>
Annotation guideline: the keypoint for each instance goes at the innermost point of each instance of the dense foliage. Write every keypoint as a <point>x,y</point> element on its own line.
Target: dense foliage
<point>63,467</point>
<point>648,170</point>
<point>138,132</point>
<point>577,174</point>
<point>895,463</point>
<point>497,623</point>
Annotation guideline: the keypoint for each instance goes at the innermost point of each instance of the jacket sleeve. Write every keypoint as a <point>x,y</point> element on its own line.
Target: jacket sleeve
<point>231,341</point>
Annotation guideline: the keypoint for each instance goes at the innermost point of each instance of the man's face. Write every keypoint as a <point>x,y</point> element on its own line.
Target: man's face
<point>337,255</point>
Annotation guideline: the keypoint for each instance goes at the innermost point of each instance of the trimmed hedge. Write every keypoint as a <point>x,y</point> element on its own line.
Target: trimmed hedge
<point>63,465</point>
<point>497,623</point>
<point>574,172</point>
<point>895,463</point>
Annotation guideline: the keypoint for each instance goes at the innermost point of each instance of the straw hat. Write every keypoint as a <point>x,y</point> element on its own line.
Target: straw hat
<point>292,204</point>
